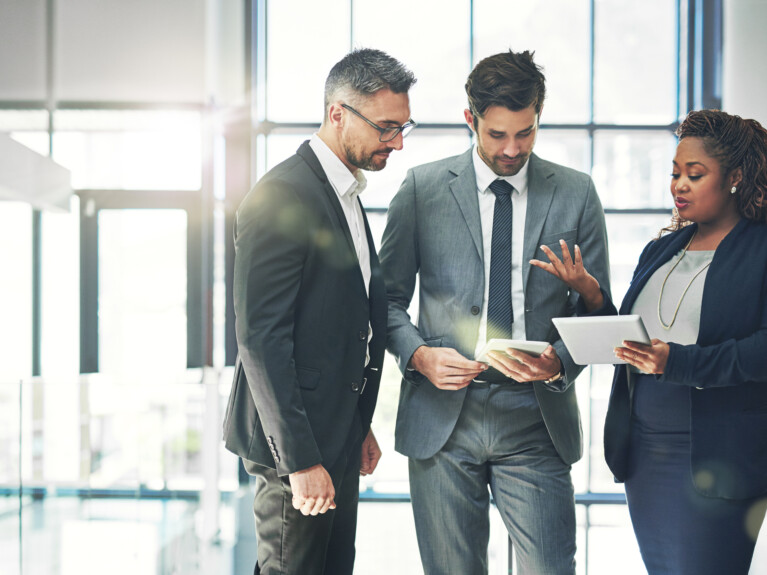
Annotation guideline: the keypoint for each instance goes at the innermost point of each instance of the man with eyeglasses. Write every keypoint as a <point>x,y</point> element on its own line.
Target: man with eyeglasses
<point>310,307</point>
<point>467,227</point>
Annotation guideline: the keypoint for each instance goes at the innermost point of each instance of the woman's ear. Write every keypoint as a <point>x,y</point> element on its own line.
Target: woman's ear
<point>736,176</point>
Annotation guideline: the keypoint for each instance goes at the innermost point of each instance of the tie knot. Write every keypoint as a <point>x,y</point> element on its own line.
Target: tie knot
<point>501,188</point>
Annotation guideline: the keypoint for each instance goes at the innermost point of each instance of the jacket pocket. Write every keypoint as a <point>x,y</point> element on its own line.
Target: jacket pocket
<point>308,377</point>
<point>552,242</point>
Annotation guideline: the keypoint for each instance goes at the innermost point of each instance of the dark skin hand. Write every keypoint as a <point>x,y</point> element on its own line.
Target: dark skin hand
<point>650,358</point>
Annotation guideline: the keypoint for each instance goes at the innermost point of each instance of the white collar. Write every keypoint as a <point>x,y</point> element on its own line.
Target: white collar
<point>486,176</point>
<point>343,181</point>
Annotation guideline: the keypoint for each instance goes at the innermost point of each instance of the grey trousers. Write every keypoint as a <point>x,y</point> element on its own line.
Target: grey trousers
<point>500,441</point>
<point>290,543</point>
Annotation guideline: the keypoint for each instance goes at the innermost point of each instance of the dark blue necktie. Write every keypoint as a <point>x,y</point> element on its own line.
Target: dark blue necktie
<point>499,313</point>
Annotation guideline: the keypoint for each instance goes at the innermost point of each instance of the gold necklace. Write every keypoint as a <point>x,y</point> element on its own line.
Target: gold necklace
<point>684,293</point>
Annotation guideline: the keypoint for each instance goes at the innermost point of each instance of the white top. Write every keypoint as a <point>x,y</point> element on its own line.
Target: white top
<point>348,187</point>
<point>687,324</point>
<point>485,177</point>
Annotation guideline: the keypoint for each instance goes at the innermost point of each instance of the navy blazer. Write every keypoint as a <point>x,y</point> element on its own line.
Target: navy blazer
<point>725,370</point>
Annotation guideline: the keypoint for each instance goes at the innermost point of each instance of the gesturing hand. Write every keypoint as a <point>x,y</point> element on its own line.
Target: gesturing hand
<point>571,271</point>
<point>445,367</point>
<point>313,490</point>
<point>650,358</point>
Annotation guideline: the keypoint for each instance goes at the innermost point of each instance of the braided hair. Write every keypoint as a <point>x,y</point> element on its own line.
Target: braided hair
<point>734,142</point>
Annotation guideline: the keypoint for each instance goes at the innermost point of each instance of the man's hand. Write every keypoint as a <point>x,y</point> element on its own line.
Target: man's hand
<point>445,367</point>
<point>313,490</point>
<point>523,367</point>
<point>371,454</point>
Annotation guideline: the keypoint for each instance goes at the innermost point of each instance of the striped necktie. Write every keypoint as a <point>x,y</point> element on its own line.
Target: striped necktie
<point>500,315</point>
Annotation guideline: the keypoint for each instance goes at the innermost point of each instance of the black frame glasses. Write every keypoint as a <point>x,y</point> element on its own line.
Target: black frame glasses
<point>385,134</point>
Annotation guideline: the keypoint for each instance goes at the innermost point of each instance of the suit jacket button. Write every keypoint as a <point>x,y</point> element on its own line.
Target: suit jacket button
<point>355,386</point>
<point>363,335</point>
<point>474,310</point>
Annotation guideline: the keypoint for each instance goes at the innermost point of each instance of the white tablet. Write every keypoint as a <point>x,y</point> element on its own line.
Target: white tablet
<point>592,340</point>
<point>532,347</point>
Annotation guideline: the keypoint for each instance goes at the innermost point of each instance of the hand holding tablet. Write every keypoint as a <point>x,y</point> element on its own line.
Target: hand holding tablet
<point>592,340</point>
<point>535,348</point>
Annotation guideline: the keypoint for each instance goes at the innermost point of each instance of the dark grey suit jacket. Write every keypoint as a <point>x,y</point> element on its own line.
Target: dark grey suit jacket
<point>434,232</point>
<point>302,316</point>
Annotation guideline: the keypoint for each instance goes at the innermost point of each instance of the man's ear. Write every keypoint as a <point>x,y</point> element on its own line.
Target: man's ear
<point>336,115</point>
<point>469,118</point>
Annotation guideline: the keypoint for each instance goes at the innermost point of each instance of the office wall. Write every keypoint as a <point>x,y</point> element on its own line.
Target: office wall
<point>744,90</point>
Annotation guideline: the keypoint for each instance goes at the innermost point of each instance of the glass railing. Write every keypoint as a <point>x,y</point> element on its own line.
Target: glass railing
<point>96,472</point>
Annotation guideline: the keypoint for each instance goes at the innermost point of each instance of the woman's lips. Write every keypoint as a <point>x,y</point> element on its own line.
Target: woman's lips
<point>680,203</point>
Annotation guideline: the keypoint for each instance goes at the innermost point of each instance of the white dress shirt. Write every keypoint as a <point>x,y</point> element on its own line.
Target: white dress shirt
<point>485,177</point>
<point>348,187</point>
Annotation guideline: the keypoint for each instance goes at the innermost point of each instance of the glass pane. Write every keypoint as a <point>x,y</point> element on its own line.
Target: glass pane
<point>420,147</point>
<point>280,145</point>
<point>432,39</point>
<point>612,547</point>
<point>571,148</point>
<point>298,60</point>
<point>28,127</point>
<point>635,62</point>
<point>632,169</point>
<point>15,291</point>
<point>559,33</point>
<point>14,120</point>
<point>142,294</point>
<point>130,150</point>
<point>628,235</point>
<point>61,292</point>
<point>10,477</point>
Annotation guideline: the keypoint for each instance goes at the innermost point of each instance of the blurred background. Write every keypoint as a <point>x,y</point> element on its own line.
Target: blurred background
<point>130,131</point>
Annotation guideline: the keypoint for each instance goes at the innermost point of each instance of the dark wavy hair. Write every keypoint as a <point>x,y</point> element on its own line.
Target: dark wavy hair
<point>735,143</point>
<point>509,79</point>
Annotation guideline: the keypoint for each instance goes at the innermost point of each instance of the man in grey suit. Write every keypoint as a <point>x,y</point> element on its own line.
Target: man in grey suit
<point>310,306</point>
<point>467,227</point>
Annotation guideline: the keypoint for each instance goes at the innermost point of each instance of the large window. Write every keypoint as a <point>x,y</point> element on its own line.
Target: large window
<point>165,123</point>
<point>613,78</point>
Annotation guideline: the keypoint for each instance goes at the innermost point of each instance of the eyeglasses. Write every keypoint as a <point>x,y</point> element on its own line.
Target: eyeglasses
<point>385,134</point>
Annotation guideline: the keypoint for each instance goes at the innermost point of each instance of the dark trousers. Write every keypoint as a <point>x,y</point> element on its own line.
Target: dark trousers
<point>290,543</point>
<point>680,531</point>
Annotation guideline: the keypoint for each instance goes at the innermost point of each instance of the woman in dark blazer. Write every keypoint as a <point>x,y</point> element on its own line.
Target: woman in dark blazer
<point>686,426</point>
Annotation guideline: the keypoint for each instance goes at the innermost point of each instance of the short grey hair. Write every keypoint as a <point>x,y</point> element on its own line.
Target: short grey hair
<point>362,73</point>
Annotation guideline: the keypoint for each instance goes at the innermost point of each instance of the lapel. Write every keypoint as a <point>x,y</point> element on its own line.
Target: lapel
<point>308,155</point>
<point>464,188</point>
<point>541,186</point>
<point>673,245</point>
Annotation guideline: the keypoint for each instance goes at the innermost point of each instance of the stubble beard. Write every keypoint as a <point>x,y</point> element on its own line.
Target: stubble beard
<point>363,163</point>
<point>501,169</point>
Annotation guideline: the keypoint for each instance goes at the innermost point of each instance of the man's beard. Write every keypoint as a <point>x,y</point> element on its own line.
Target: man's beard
<point>367,163</point>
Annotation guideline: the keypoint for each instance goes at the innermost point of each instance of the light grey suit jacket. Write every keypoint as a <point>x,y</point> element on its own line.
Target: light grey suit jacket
<point>433,231</point>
